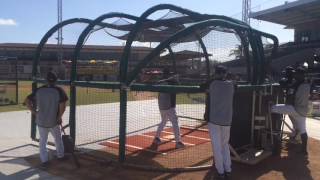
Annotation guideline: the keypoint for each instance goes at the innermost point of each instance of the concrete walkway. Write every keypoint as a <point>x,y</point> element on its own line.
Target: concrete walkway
<point>16,144</point>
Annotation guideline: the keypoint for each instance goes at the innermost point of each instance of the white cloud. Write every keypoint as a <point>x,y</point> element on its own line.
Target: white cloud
<point>7,22</point>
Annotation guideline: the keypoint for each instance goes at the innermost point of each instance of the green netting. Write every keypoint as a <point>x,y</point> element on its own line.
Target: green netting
<point>187,64</point>
<point>143,117</point>
<point>97,117</point>
<point>8,81</point>
<point>190,48</point>
<point>55,58</point>
<point>8,93</point>
<point>271,74</point>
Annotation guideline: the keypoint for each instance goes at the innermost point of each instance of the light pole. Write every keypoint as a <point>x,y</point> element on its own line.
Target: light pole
<point>246,6</point>
<point>59,40</point>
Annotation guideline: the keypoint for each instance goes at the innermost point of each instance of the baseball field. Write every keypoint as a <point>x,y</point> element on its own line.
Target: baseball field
<point>97,96</point>
<point>98,128</point>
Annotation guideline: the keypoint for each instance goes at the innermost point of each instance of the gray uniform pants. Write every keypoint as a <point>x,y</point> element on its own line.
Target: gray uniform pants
<point>220,136</point>
<point>169,115</point>
<point>298,121</point>
<point>56,133</point>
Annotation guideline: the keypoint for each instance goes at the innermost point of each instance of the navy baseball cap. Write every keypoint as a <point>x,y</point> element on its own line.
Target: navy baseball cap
<point>166,71</point>
<point>300,70</point>
<point>220,69</point>
<point>51,76</point>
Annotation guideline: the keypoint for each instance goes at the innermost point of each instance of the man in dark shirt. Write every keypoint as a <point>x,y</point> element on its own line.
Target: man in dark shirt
<point>221,93</point>
<point>48,103</point>
<point>167,107</point>
<point>289,86</point>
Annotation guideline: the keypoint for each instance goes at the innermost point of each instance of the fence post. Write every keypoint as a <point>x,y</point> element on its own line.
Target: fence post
<point>72,115</point>
<point>33,117</point>
<point>123,124</point>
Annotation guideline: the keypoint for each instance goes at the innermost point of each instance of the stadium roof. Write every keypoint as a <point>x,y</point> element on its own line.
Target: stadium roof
<point>54,47</point>
<point>184,55</point>
<point>291,14</point>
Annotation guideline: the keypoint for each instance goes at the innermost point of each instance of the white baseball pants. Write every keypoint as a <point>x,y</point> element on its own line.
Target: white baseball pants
<point>169,115</point>
<point>298,121</point>
<point>220,136</point>
<point>56,133</point>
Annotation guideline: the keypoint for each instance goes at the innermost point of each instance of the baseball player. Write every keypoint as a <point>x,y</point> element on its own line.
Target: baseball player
<point>221,93</point>
<point>167,107</point>
<point>48,104</point>
<point>299,108</point>
<point>288,84</point>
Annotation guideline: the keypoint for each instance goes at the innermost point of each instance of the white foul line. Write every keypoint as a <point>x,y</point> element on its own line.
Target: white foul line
<point>165,139</point>
<point>136,147</point>
<point>190,136</point>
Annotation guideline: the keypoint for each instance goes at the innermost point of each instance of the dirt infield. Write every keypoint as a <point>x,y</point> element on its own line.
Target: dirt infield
<point>143,142</point>
<point>289,165</point>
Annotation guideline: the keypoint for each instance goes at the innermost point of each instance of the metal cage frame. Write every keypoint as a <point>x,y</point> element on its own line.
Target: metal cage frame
<point>249,37</point>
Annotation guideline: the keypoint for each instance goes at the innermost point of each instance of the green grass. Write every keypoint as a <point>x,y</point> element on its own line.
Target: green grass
<point>95,96</point>
<point>197,98</point>
<point>84,96</point>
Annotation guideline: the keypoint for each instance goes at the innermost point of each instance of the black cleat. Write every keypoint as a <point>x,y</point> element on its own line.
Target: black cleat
<point>64,158</point>
<point>179,145</point>
<point>227,175</point>
<point>156,141</point>
<point>220,176</point>
<point>44,165</point>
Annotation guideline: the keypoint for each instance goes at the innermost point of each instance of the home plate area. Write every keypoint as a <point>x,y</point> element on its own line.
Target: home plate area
<point>143,142</point>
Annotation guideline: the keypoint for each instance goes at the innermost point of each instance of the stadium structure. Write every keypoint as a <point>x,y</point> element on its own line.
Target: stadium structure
<point>303,16</point>
<point>91,56</point>
<point>118,116</point>
<point>97,62</point>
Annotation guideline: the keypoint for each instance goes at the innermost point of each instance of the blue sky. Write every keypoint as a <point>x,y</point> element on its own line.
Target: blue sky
<point>26,21</point>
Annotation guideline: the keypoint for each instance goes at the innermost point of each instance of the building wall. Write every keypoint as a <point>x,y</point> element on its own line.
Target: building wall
<point>49,56</point>
<point>307,32</point>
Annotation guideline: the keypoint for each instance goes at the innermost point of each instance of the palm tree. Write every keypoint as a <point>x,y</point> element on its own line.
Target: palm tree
<point>237,52</point>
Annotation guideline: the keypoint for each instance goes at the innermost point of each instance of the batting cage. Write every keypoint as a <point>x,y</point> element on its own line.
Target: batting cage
<point>114,100</point>
<point>8,81</point>
<point>52,57</point>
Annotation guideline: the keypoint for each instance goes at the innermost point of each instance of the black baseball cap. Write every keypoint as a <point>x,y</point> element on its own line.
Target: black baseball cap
<point>220,69</point>
<point>289,70</point>
<point>166,71</point>
<point>300,70</point>
<point>51,76</point>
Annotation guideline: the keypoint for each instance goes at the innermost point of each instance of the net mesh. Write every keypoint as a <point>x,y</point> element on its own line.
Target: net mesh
<point>226,49</point>
<point>188,67</point>
<point>8,94</point>
<point>97,117</point>
<point>268,46</point>
<point>98,109</point>
<point>56,58</point>
<point>143,118</point>
<point>97,114</point>
<point>8,81</point>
